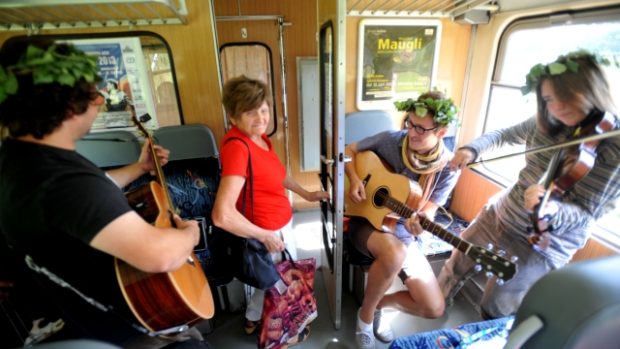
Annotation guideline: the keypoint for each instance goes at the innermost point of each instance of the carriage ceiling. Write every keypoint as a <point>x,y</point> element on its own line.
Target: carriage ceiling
<point>439,8</point>
<point>33,15</point>
<point>413,8</point>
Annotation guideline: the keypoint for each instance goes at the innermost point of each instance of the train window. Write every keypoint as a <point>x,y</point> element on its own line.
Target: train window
<point>137,74</point>
<point>254,61</point>
<point>539,40</point>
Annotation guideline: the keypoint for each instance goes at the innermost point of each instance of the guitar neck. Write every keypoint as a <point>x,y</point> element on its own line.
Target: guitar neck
<point>159,172</point>
<point>405,211</point>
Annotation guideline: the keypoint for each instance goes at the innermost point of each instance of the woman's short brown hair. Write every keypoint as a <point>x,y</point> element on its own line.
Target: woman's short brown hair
<point>242,94</point>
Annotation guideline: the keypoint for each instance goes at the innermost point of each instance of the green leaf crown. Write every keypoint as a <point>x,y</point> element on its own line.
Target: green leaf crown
<point>444,110</point>
<point>563,64</point>
<point>48,66</point>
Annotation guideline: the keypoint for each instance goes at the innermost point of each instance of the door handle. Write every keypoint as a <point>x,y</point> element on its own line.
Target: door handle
<point>327,161</point>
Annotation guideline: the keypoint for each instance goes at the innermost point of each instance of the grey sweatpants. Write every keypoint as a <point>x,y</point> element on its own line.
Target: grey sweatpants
<point>497,301</point>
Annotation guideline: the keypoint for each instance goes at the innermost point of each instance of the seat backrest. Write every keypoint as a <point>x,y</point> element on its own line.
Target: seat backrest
<point>577,306</point>
<point>361,124</point>
<point>110,148</point>
<point>187,141</point>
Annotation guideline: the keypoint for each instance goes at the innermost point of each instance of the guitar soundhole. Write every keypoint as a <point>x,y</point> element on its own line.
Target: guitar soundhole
<point>380,197</point>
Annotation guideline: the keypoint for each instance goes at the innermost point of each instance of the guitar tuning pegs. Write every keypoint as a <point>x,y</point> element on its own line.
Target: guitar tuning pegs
<point>514,259</point>
<point>488,274</point>
<point>499,282</point>
<point>501,253</point>
<point>490,246</point>
<point>477,268</point>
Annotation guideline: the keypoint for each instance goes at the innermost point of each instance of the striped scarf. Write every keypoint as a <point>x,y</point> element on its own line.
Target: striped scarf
<point>427,166</point>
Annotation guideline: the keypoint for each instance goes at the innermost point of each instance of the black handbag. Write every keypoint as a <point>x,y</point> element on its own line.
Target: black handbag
<point>246,259</point>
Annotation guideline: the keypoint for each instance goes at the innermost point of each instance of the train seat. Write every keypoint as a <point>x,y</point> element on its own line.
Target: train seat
<point>359,125</point>
<point>110,149</point>
<point>193,175</point>
<point>187,141</point>
<point>577,306</point>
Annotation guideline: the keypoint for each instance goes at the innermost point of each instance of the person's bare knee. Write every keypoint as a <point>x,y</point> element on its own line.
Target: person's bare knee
<point>434,308</point>
<point>425,292</point>
<point>388,251</point>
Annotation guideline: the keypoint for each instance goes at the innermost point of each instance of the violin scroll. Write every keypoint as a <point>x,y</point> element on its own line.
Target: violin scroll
<point>539,241</point>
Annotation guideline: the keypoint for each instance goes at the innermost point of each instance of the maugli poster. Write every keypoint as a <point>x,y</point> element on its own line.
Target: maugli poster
<point>124,83</point>
<point>398,60</point>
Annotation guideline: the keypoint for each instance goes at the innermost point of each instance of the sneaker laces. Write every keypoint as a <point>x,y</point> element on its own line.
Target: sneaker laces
<point>364,340</point>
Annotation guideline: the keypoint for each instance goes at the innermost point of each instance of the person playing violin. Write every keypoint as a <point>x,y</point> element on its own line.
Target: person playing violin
<point>65,219</point>
<point>572,95</point>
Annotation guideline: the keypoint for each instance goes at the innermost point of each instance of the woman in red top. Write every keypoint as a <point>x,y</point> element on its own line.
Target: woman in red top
<point>268,216</point>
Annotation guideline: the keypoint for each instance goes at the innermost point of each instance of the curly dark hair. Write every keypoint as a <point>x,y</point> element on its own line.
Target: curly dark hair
<point>39,109</point>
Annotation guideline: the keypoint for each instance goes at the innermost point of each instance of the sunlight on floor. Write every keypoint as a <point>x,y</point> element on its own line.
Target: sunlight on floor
<point>308,236</point>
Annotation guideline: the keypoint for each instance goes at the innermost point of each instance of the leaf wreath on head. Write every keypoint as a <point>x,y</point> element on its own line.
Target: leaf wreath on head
<point>563,64</point>
<point>48,66</point>
<point>444,110</point>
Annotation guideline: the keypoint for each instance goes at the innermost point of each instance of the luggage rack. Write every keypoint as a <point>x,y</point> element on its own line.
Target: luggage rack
<point>35,15</point>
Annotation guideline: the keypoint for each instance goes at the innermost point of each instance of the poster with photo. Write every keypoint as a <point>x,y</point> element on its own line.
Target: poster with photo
<point>398,60</point>
<point>124,81</point>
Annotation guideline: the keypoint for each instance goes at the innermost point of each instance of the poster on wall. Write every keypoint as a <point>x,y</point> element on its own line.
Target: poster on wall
<point>397,60</point>
<point>124,81</point>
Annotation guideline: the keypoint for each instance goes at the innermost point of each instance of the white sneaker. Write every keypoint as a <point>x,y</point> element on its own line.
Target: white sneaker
<point>382,329</point>
<point>364,340</point>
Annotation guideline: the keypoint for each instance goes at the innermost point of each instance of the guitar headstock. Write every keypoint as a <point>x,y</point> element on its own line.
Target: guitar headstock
<point>138,122</point>
<point>493,262</point>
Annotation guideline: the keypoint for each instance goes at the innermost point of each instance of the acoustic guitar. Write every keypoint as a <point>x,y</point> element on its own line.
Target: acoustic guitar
<point>165,302</point>
<point>389,197</point>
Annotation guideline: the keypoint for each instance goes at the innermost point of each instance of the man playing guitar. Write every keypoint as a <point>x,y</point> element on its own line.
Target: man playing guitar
<point>417,152</point>
<point>60,213</point>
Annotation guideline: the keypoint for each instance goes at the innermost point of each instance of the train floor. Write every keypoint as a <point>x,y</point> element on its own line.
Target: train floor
<point>226,329</point>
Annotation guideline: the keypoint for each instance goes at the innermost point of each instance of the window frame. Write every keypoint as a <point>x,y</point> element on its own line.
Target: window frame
<point>120,35</point>
<point>600,14</point>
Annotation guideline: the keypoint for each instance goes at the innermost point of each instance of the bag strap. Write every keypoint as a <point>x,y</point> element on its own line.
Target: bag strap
<point>286,253</point>
<point>251,185</point>
<point>250,181</point>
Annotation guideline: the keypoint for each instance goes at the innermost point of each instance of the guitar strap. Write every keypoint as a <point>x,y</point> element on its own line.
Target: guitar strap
<point>32,265</point>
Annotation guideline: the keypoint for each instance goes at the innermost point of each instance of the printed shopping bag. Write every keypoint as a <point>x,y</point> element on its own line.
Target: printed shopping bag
<point>290,305</point>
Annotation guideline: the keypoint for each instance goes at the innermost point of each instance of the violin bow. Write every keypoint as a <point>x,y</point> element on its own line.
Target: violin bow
<point>551,147</point>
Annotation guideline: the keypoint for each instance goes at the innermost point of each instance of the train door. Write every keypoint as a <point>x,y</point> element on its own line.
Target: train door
<point>253,46</point>
<point>332,29</point>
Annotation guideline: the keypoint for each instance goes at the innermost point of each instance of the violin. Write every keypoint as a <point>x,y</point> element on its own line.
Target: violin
<point>567,167</point>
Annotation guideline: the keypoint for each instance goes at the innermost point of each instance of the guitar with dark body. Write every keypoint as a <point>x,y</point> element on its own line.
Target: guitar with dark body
<point>164,302</point>
<point>389,197</point>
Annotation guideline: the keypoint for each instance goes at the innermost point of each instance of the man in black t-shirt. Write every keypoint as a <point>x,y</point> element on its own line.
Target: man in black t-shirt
<point>60,214</point>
